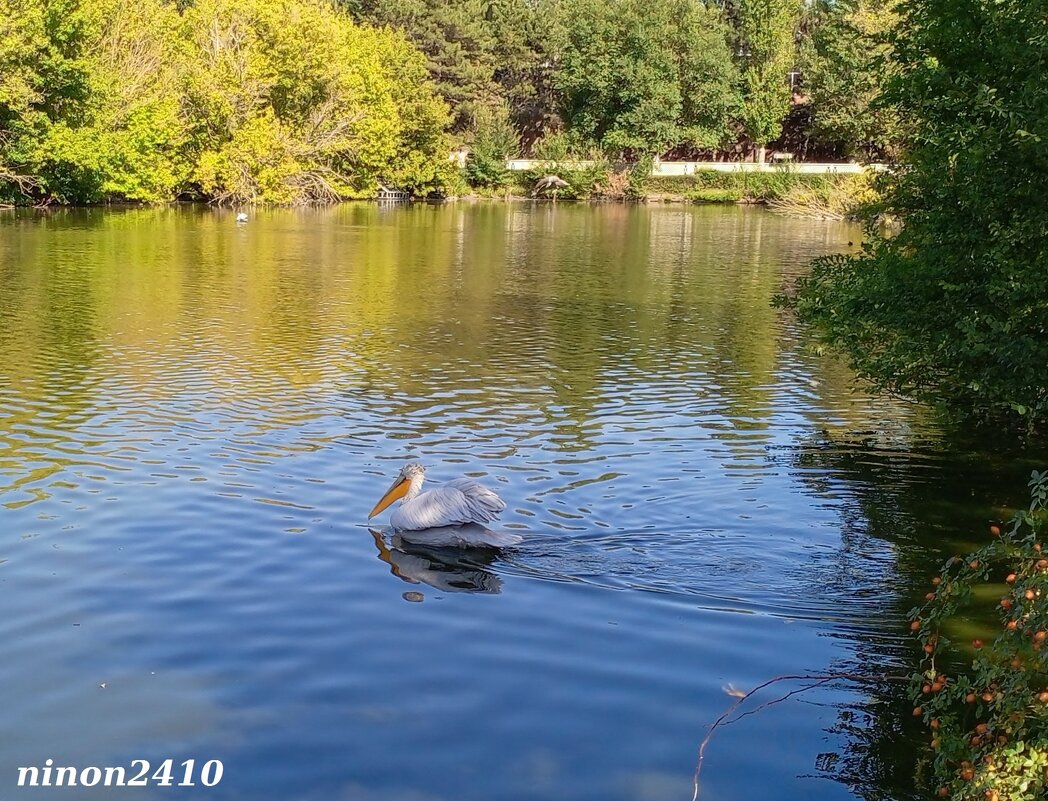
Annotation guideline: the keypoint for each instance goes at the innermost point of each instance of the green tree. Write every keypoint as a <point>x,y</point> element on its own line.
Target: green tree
<point>952,310</point>
<point>766,32</point>
<point>529,34</point>
<point>643,77</point>
<point>89,106</point>
<point>494,140</point>
<point>846,64</point>
<point>480,53</point>
<point>275,100</point>
<point>458,42</point>
<point>293,102</point>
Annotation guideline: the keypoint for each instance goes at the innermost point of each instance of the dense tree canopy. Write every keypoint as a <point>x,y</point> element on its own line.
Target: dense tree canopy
<point>281,113</point>
<point>953,308</point>
<point>87,107</point>
<point>638,76</point>
<point>767,50</point>
<point>846,63</point>
<point>305,100</point>
<point>480,52</point>
<point>276,100</point>
<point>632,76</point>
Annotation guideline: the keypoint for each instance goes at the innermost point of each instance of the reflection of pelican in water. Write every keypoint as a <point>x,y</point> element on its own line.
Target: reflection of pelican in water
<point>448,569</point>
<point>449,515</point>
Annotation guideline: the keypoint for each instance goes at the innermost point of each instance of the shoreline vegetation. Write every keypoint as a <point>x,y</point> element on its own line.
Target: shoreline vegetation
<point>799,194</point>
<point>317,101</point>
<point>832,197</point>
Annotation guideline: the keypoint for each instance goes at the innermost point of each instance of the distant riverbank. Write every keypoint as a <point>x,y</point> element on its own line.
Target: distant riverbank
<point>784,189</point>
<point>829,196</point>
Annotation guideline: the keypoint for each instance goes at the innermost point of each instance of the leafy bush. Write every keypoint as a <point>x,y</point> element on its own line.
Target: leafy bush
<point>952,310</point>
<point>802,193</point>
<point>715,195</point>
<point>835,198</point>
<point>555,146</point>
<point>988,721</point>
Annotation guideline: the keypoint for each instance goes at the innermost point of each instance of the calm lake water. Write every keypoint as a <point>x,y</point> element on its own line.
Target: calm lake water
<point>196,417</point>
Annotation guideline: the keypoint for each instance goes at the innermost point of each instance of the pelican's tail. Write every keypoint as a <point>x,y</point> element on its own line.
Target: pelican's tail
<point>501,539</point>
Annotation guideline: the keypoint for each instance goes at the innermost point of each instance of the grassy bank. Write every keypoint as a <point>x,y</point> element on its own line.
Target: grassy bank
<point>803,194</point>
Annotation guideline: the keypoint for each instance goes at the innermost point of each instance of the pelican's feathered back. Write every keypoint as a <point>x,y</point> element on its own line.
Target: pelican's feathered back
<point>452,504</point>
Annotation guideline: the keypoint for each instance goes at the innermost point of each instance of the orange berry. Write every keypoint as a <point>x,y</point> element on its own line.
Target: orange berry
<point>942,792</point>
<point>1030,595</point>
<point>967,774</point>
<point>1010,578</point>
<point>915,625</point>
<point>974,564</point>
<point>977,644</point>
<point>930,596</point>
<point>1012,625</point>
<point>929,648</point>
<point>918,711</point>
<point>981,728</point>
<point>987,696</point>
<point>934,724</point>
<point>1006,604</point>
<point>995,530</point>
<point>1042,563</point>
<point>970,698</point>
<point>1039,636</point>
<point>927,688</point>
<point>937,581</point>
<point>1042,696</point>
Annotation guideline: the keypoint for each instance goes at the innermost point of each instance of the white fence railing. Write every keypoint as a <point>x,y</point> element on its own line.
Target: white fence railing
<point>670,168</point>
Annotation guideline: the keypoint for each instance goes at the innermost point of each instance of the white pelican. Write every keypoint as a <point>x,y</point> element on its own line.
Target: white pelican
<point>451,514</point>
<point>242,217</point>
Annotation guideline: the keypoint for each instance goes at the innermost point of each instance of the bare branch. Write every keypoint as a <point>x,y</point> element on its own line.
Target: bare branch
<point>816,679</point>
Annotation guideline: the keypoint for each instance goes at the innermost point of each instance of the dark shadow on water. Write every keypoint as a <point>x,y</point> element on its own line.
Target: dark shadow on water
<point>903,512</point>
<point>448,569</point>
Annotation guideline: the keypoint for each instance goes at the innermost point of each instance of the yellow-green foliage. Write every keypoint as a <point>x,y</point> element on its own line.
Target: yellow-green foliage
<point>836,197</point>
<point>248,100</point>
<point>89,107</point>
<point>292,102</point>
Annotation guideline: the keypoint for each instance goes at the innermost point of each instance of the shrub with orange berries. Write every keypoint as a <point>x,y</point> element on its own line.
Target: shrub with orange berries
<point>988,724</point>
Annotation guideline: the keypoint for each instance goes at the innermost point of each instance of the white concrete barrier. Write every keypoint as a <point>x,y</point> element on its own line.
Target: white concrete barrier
<point>671,168</point>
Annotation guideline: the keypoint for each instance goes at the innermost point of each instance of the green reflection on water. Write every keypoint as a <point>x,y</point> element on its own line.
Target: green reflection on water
<point>557,300</point>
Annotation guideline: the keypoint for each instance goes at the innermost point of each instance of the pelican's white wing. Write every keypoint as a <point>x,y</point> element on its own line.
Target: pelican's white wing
<point>456,503</point>
<point>483,503</point>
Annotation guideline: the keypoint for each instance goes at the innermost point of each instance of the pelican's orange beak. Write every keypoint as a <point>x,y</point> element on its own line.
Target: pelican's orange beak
<point>398,490</point>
